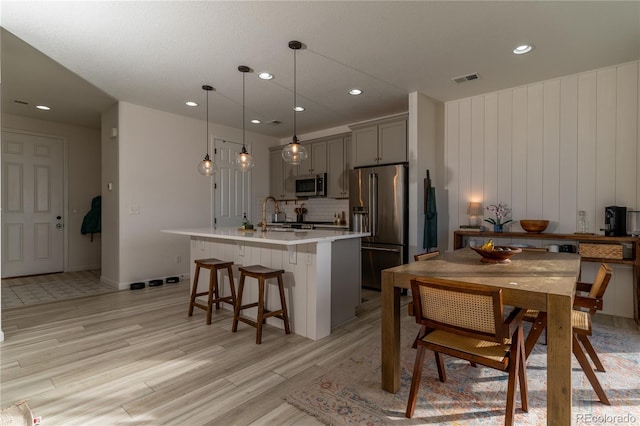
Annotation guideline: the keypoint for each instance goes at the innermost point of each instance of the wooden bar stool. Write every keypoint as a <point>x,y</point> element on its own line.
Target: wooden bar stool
<point>261,273</point>
<point>213,265</point>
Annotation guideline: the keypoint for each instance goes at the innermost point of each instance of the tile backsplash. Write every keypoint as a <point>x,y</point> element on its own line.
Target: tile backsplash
<point>318,209</point>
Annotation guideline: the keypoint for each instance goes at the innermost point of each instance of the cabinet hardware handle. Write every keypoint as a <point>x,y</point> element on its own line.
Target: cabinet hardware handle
<point>381,249</point>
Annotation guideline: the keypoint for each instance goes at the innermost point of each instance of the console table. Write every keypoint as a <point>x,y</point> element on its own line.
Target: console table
<point>460,235</point>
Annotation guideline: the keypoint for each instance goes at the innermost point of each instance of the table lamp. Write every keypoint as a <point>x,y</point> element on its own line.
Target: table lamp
<point>474,210</point>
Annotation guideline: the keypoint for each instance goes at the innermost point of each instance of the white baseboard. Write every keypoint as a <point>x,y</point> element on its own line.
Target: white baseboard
<point>83,268</point>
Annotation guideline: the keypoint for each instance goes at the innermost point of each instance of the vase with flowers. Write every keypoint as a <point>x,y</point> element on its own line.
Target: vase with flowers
<point>501,212</point>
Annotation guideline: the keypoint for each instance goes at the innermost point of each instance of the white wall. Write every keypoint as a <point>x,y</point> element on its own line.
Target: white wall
<point>82,184</point>
<point>158,155</point>
<point>425,142</point>
<point>548,150</point>
<point>110,198</point>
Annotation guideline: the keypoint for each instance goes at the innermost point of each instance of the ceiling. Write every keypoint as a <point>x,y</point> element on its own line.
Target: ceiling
<point>80,57</point>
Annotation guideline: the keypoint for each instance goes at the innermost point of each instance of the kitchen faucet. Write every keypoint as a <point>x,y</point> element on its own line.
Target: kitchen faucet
<point>263,223</point>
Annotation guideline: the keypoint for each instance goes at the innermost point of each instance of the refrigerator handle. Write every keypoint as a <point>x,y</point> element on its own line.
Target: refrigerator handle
<point>364,248</point>
<point>373,203</point>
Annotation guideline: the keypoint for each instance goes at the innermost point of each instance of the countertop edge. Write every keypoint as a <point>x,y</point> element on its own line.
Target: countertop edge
<point>271,237</point>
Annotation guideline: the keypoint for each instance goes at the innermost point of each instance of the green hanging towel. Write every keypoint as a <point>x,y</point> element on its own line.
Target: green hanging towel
<point>92,222</point>
<point>430,215</point>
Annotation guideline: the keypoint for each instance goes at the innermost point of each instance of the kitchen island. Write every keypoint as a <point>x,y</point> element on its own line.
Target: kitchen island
<point>322,271</point>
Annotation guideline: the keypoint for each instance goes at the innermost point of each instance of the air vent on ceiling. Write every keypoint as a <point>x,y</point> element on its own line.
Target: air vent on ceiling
<point>18,101</point>
<point>273,122</point>
<point>468,77</point>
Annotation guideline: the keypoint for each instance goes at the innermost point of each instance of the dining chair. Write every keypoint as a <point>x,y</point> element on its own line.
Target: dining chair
<point>466,321</point>
<point>584,306</point>
<point>418,257</point>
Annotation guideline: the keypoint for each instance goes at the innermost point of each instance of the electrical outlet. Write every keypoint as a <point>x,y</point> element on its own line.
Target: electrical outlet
<point>178,259</point>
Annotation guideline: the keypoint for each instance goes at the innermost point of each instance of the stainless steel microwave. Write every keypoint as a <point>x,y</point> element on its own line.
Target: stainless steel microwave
<point>311,185</point>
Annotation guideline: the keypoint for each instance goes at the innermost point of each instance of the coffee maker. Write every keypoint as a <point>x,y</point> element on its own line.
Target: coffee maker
<point>615,221</point>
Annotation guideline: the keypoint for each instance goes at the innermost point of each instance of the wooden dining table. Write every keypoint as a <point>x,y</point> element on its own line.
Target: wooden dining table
<point>532,279</point>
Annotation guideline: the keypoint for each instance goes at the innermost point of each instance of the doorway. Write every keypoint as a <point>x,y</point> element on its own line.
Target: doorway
<point>32,204</point>
<point>232,187</point>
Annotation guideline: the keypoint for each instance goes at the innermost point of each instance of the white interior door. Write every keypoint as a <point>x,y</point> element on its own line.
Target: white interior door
<point>232,188</point>
<point>32,204</point>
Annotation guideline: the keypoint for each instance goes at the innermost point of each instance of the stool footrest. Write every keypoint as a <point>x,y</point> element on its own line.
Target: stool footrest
<point>250,305</point>
<point>249,321</point>
<point>278,314</point>
<point>226,299</point>
<point>200,305</point>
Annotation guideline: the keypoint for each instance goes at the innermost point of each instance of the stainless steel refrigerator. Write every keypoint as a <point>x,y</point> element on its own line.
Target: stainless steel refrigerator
<point>379,204</point>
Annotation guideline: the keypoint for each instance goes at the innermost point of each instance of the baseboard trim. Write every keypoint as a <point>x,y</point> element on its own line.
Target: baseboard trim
<point>83,268</point>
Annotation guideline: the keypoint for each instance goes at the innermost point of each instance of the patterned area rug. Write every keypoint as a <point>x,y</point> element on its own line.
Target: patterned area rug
<point>37,289</point>
<point>350,394</point>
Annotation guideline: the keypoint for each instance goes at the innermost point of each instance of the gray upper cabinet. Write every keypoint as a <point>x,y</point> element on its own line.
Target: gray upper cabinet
<point>338,153</point>
<point>282,176</point>
<point>316,162</point>
<point>328,155</point>
<point>380,142</point>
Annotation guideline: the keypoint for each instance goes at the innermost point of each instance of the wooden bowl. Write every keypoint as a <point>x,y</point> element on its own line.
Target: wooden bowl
<point>534,226</point>
<point>501,255</point>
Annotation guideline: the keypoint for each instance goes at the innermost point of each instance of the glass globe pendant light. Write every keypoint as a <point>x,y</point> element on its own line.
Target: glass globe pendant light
<point>294,153</point>
<point>206,166</point>
<point>244,161</point>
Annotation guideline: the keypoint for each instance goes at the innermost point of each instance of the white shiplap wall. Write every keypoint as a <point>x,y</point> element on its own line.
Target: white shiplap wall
<point>548,150</point>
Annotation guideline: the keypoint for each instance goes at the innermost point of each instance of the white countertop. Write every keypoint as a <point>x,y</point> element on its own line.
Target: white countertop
<point>287,238</point>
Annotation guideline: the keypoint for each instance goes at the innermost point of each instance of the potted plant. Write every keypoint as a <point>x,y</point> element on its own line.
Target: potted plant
<point>501,212</point>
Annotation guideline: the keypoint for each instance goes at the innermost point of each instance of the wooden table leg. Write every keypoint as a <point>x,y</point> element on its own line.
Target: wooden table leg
<point>390,334</point>
<point>559,355</point>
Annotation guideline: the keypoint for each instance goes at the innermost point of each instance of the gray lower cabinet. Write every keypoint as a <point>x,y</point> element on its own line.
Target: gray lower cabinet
<point>345,280</point>
<point>282,176</point>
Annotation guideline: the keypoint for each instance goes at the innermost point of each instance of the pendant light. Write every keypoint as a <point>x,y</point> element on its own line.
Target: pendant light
<point>244,161</point>
<point>294,153</point>
<point>206,166</point>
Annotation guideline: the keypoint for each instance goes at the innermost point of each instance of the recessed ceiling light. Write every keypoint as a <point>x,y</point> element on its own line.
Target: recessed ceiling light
<point>522,49</point>
<point>355,92</point>
<point>43,107</point>
<point>191,104</point>
<point>255,121</point>
<point>298,108</point>
<point>265,75</point>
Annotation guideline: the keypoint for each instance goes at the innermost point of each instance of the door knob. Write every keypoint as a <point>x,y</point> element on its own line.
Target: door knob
<point>59,225</point>
<point>58,217</point>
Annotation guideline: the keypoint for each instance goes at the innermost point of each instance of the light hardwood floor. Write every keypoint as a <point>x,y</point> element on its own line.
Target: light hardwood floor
<point>135,357</point>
